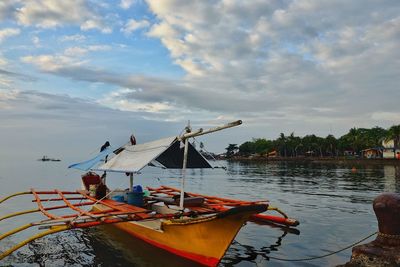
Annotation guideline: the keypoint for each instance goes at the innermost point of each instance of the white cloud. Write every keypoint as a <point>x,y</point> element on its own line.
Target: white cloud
<point>393,117</point>
<point>99,47</point>
<point>51,63</point>
<point>8,32</point>
<point>78,51</point>
<point>93,24</point>
<point>52,14</point>
<point>133,25</point>
<point>75,51</point>
<point>118,101</point>
<point>73,38</point>
<point>163,30</point>
<point>190,66</point>
<point>303,64</point>
<point>72,57</point>
<point>126,4</point>
<point>308,60</point>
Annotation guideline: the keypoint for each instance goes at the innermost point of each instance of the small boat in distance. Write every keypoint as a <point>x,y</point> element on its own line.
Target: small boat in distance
<point>197,227</point>
<point>45,158</point>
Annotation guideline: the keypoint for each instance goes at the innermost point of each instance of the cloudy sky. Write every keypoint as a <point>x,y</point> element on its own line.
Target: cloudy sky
<point>74,73</point>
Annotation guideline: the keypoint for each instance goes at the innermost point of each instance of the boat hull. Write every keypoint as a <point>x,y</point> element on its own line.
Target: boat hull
<point>203,239</point>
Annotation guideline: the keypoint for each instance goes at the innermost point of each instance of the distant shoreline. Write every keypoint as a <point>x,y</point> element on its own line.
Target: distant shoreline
<point>340,160</point>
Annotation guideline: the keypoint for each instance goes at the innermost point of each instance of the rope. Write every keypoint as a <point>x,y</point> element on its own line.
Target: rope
<point>388,235</point>
<point>211,155</point>
<point>326,255</point>
<point>205,150</point>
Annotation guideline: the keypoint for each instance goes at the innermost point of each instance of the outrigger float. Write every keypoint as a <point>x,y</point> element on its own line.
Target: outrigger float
<point>194,226</point>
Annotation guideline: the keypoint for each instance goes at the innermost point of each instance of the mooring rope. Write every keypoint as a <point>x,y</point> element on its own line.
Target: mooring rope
<point>326,255</point>
<point>205,150</point>
<point>388,236</point>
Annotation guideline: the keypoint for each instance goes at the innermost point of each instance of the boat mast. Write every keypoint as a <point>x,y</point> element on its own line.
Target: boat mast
<point>185,137</point>
<point>185,154</point>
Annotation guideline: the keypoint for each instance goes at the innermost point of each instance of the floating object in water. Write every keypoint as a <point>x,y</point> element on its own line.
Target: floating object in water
<point>45,158</point>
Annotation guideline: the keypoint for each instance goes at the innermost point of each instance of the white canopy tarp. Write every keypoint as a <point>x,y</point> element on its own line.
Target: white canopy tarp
<point>135,157</point>
<point>167,152</point>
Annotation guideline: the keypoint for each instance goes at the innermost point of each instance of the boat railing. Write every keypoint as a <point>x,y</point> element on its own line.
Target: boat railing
<point>222,204</point>
<point>80,218</point>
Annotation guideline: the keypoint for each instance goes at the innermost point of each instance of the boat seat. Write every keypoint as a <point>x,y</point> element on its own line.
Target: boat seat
<point>187,201</point>
<point>162,208</point>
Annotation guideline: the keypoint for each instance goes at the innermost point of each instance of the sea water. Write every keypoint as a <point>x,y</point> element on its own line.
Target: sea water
<point>332,202</point>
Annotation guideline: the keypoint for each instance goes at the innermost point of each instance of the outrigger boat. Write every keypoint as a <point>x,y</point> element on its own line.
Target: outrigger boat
<point>194,226</point>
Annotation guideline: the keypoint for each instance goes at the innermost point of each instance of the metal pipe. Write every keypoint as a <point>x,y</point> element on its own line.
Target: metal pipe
<point>16,230</point>
<point>91,217</point>
<point>59,199</point>
<point>185,156</point>
<point>14,195</point>
<point>18,213</point>
<point>131,182</point>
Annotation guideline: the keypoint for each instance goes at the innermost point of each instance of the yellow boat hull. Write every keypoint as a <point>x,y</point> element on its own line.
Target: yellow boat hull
<point>204,239</point>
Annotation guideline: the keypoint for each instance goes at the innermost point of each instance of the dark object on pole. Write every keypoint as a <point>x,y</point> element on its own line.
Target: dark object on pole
<point>106,144</point>
<point>385,249</point>
<point>133,140</point>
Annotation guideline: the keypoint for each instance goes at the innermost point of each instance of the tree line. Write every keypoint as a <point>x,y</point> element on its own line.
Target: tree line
<point>354,141</point>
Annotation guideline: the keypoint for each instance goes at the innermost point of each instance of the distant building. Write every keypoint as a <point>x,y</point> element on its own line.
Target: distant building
<point>349,153</point>
<point>310,153</point>
<point>372,153</point>
<point>389,151</point>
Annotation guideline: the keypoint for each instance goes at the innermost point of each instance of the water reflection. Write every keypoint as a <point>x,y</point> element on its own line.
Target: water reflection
<point>62,249</point>
<point>392,178</point>
<point>240,253</point>
<point>317,177</point>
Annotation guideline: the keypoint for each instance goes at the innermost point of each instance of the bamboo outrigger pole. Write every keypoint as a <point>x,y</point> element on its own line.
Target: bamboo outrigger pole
<point>185,137</point>
<point>211,130</point>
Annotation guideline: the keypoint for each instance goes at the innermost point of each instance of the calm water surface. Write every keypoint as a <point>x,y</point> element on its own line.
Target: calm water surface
<point>332,202</point>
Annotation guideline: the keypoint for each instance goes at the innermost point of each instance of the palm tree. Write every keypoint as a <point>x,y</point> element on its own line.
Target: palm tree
<point>354,138</point>
<point>282,142</point>
<point>291,143</point>
<point>330,143</point>
<point>231,150</point>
